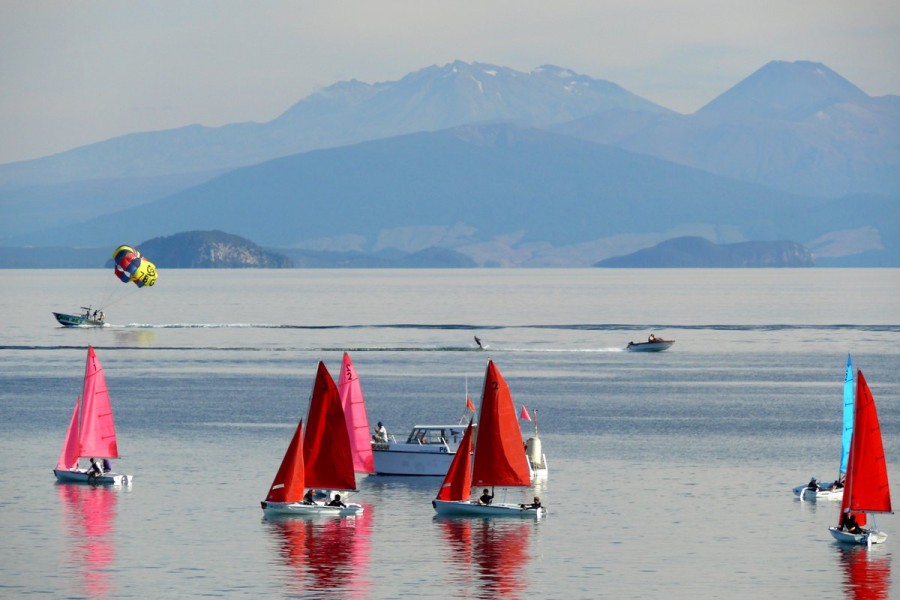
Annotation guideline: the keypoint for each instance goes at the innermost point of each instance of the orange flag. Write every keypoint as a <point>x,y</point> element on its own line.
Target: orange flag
<point>469,404</point>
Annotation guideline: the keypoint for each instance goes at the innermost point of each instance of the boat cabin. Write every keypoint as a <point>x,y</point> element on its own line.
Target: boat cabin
<point>436,434</point>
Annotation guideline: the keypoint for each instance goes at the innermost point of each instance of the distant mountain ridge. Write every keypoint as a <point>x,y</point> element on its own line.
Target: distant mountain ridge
<point>547,168</point>
<point>697,252</point>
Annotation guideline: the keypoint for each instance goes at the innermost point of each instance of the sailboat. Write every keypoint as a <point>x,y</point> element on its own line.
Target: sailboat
<point>317,458</point>
<point>867,489</point>
<point>354,405</point>
<point>835,491</point>
<point>92,431</point>
<point>499,458</point>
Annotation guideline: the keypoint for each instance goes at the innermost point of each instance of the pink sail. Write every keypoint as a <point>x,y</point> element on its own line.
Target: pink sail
<point>354,406</point>
<point>98,431</point>
<point>68,457</point>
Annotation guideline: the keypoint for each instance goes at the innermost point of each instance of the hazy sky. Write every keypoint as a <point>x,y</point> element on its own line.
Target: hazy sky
<point>77,72</point>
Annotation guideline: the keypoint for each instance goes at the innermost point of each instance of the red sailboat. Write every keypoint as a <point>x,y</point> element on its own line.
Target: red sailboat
<point>867,489</point>
<point>499,458</point>
<point>91,433</point>
<point>319,458</point>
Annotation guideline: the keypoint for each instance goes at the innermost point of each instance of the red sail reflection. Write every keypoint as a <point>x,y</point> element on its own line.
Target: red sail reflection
<point>325,554</point>
<point>89,520</point>
<point>867,575</point>
<point>497,550</point>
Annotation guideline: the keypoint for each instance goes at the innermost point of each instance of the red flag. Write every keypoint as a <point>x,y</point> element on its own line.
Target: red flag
<point>524,414</point>
<point>469,404</point>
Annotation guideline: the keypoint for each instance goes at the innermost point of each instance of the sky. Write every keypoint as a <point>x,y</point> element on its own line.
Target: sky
<point>78,72</point>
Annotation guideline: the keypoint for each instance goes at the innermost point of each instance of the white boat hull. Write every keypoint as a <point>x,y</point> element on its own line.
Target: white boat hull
<point>807,494</point>
<point>412,459</point>
<point>309,510</point>
<point>864,539</point>
<point>458,508</point>
<point>80,476</point>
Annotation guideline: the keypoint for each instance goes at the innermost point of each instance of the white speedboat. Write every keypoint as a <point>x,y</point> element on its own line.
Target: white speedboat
<point>428,451</point>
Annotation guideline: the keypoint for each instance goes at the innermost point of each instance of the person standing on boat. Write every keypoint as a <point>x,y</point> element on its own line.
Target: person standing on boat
<point>381,434</point>
<point>486,498</point>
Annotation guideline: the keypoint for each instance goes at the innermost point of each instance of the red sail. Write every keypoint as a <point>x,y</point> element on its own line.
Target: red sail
<point>457,484</point>
<point>289,481</point>
<point>499,452</point>
<point>868,485</point>
<point>326,444</point>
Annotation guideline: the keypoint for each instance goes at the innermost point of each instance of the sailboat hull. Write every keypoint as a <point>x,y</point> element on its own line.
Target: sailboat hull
<point>300,509</point>
<point>805,493</point>
<point>79,476</point>
<point>457,508</point>
<point>864,539</point>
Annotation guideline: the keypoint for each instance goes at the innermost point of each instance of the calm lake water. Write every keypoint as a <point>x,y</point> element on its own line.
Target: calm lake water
<point>670,474</point>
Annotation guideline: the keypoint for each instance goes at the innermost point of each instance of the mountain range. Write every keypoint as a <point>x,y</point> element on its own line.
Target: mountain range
<point>547,168</point>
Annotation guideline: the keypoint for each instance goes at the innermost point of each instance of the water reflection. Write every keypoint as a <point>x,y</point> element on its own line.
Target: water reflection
<point>493,552</point>
<point>325,554</point>
<point>89,520</point>
<point>867,572</point>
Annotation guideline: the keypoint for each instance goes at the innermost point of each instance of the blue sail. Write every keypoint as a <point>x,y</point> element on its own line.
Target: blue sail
<point>848,415</point>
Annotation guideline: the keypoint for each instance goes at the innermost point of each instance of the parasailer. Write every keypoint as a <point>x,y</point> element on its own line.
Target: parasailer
<point>131,266</point>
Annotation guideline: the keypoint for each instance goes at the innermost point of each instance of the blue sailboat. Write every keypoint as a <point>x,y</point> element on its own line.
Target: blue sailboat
<point>816,490</point>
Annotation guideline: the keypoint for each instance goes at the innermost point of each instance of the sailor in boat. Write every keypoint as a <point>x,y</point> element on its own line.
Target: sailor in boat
<point>652,338</point>
<point>850,525</point>
<point>813,485</point>
<point>486,498</point>
<point>309,498</point>
<point>337,502</point>
<point>536,504</point>
<point>94,471</point>
<point>107,466</point>
<point>381,434</point>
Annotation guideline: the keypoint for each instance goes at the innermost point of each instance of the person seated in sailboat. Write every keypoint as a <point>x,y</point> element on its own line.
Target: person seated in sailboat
<point>381,434</point>
<point>94,471</point>
<point>813,485</point>
<point>486,498</point>
<point>850,525</point>
<point>336,501</point>
<point>107,466</point>
<point>536,504</point>
<point>308,497</point>
<point>652,338</point>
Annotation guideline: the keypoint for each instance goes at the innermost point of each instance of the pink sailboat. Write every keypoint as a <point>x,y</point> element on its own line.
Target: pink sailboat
<point>499,458</point>
<point>318,458</point>
<point>354,406</point>
<point>91,433</point>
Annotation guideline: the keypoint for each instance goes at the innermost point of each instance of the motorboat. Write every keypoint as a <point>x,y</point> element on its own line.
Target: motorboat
<point>88,318</point>
<point>427,451</point>
<point>654,344</point>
